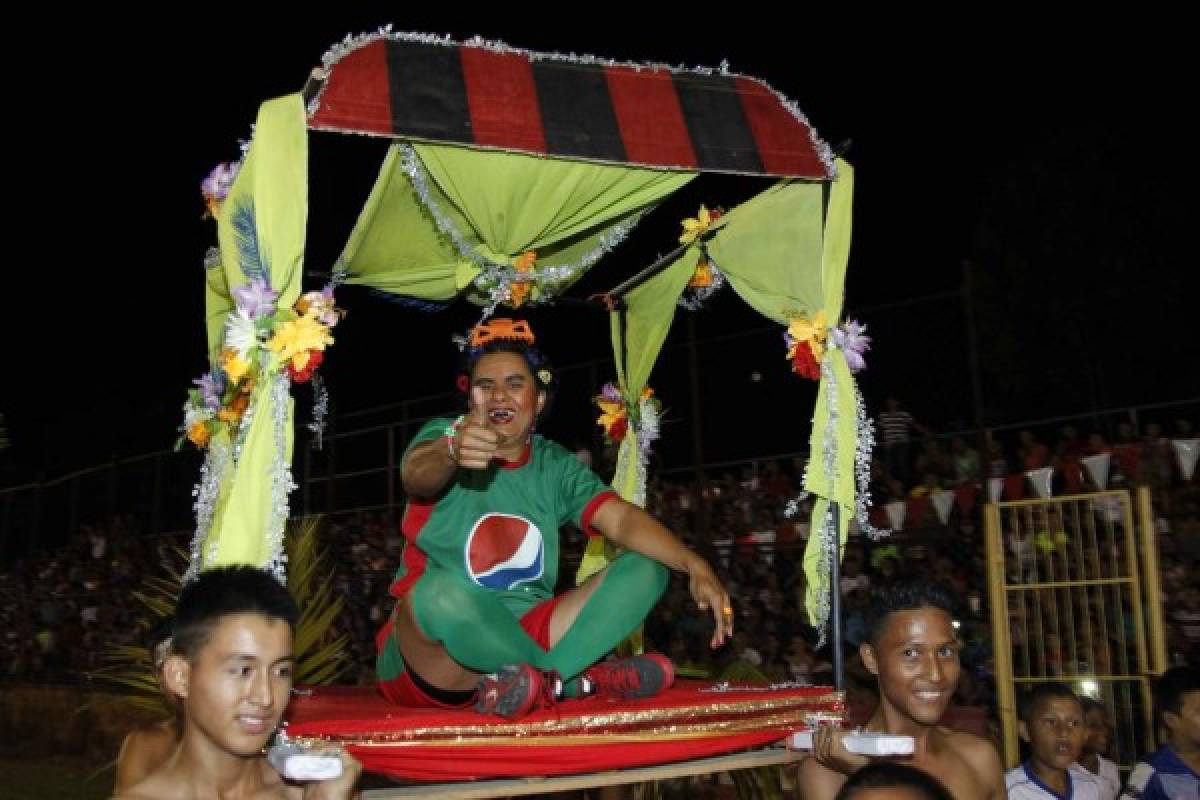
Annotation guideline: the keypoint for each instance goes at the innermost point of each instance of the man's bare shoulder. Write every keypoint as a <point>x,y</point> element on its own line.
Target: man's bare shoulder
<point>981,752</point>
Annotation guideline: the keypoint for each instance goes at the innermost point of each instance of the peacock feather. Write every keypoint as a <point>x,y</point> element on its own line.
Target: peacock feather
<point>251,257</point>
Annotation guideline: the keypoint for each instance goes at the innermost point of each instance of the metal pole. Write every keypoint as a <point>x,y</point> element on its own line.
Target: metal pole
<point>835,599</point>
<point>976,380</point>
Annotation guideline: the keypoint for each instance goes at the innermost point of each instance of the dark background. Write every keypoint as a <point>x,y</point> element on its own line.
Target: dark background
<point>1054,157</point>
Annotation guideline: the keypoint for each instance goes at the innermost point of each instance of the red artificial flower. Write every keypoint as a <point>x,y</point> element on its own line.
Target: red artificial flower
<point>463,383</point>
<point>803,363</point>
<point>315,357</point>
<point>618,429</point>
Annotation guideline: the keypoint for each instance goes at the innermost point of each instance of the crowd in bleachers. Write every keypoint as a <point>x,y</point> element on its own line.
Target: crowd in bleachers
<point>61,610</point>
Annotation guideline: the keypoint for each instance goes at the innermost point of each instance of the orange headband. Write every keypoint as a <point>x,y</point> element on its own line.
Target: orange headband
<point>501,328</point>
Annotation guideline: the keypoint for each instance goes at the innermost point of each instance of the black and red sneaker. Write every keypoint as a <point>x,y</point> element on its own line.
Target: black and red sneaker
<point>516,690</point>
<point>630,678</point>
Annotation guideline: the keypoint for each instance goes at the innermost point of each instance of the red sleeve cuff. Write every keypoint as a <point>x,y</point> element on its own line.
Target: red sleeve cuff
<point>589,511</point>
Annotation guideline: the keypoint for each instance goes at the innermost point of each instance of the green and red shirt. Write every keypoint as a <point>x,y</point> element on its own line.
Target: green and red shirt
<point>499,527</point>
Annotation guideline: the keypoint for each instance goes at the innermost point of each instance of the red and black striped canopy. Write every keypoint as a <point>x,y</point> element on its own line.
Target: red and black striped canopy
<point>497,97</point>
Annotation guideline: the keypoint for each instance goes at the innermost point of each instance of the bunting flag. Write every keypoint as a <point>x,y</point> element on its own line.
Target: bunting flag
<point>1097,469</point>
<point>1042,480</point>
<point>1186,451</point>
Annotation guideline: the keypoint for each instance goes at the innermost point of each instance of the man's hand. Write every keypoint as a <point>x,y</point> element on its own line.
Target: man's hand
<point>711,596</point>
<point>476,442</point>
<point>832,754</point>
<point>340,788</point>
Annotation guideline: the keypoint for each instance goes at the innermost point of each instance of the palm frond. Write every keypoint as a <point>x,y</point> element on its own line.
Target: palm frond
<point>320,659</point>
<point>251,257</point>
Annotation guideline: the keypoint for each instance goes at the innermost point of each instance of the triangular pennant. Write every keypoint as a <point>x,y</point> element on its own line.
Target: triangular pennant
<point>1186,451</point>
<point>1041,480</point>
<point>943,501</point>
<point>895,514</point>
<point>1097,469</point>
<point>995,489</point>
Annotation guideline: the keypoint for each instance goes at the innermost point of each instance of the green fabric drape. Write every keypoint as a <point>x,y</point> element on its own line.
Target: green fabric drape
<point>785,262</point>
<point>501,204</point>
<point>273,185</point>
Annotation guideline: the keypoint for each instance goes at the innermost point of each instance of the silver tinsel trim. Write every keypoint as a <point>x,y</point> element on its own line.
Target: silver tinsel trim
<point>864,445</point>
<point>724,687</point>
<point>205,505</point>
<point>828,533</point>
<point>212,258</point>
<point>320,411</point>
<point>496,279</point>
<point>243,428</point>
<point>352,42</point>
<point>647,433</point>
<point>281,479</point>
<point>339,274</point>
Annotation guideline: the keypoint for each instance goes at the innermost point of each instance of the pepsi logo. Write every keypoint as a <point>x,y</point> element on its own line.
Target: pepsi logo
<point>503,550</point>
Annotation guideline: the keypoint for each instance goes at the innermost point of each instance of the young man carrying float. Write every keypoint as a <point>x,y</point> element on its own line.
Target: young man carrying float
<point>912,650</point>
<point>231,668</point>
<point>476,619</point>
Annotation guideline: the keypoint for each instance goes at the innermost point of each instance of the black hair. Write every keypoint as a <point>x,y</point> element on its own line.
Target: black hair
<point>220,592</point>
<point>889,775</point>
<point>1091,704</point>
<point>1041,692</point>
<point>539,366</point>
<point>902,595</point>
<point>1170,688</point>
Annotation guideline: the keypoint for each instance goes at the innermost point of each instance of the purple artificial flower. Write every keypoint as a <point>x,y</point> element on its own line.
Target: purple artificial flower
<point>216,186</point>
<point>211,386</point>
<point>256,298</point>
<point>851,338</point>
<point>611,393</point>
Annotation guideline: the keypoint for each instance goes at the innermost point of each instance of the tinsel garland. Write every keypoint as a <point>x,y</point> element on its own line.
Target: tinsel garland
<point>206,492</point>
<point>281,478</point>
<point>647,433</point>
<point>320,411</point>
<point>497,279</point>
<point>699,296</point>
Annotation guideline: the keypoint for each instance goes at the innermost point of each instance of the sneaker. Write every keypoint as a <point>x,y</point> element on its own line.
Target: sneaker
<point>516,690</point>
<point>630,678</point>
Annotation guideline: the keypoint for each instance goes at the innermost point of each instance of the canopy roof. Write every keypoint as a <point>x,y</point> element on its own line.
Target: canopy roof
<point>489,95</point>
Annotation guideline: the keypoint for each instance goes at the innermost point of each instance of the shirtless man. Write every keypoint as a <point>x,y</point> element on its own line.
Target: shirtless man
<point>912,650</point>
<point>231,668</point>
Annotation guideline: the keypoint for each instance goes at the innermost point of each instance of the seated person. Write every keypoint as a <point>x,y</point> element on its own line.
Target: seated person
<point>1052,724</point>
<point>476,620</point>
<point>230,665</point>
<point>1172,771</point>
<point>912,650</point>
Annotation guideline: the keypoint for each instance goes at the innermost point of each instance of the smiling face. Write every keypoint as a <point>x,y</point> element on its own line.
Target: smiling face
<point>236,687</point>
<point>1055,732</point>
<point>915,659</point>
<point>511,398</point>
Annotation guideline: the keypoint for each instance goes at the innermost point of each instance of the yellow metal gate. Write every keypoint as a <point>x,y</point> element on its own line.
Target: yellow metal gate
<point>1075,597</point>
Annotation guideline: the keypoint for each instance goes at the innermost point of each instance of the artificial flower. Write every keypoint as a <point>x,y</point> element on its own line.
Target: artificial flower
<point>198,434</point>
<point>241,335</point>
<point>255,299</point>
<point>211,386</point>
<point>702,278</point>
<point>234,365</point>
<point>850,337</point>
<point>299,335</point>
<point>215,187</point>
<point>520,288</point>
<point>697,226</point>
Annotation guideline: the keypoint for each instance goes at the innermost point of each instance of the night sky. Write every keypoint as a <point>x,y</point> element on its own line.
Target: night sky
<point>1053,159</point>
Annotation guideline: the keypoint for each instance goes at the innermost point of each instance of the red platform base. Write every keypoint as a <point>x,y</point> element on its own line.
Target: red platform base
<point>691,720</point>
